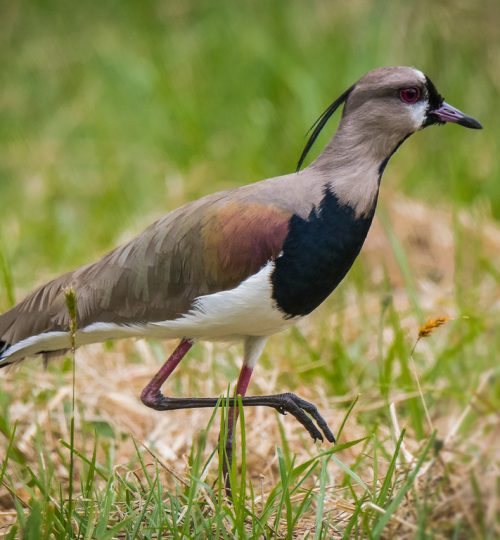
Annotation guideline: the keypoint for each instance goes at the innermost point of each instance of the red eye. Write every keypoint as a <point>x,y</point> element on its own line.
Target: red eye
<point>409,95</point>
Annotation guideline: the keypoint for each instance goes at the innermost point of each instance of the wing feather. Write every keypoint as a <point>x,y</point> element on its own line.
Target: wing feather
<point>204,247</point>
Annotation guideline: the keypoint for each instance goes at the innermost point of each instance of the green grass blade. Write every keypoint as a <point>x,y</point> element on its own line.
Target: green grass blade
<point>93,466</point>
<point>346,417</point>
<point>352,474</point>
<point>384,490</point>
<point>7,278</point>
<point>320,498</point>
<point>113,531</point>
<point>384,519</point>
<point>105,509</point>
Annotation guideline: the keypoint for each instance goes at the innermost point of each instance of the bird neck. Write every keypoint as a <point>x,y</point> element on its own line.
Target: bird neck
<point>352,165</point>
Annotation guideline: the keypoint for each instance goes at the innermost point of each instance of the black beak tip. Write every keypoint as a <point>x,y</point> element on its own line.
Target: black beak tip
<point>469,122</point>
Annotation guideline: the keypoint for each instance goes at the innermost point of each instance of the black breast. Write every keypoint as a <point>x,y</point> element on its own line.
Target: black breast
<point>317,254</point>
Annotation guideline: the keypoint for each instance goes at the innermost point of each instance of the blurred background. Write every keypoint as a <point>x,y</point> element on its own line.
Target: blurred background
<point>114,112</point>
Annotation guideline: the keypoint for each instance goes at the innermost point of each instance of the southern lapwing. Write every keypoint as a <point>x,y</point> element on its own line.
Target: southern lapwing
<point>243,264</point>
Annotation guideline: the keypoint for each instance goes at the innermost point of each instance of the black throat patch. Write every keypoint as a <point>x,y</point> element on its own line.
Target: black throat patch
<point>317,254</point>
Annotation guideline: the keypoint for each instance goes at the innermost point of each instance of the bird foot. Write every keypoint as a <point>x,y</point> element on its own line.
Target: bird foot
<point>298,408</point>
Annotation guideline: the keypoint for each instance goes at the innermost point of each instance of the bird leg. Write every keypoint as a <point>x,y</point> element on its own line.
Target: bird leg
<point>288,402</point>
<point>241,388</point>
<point>151,395</point>
<point>284,403</point>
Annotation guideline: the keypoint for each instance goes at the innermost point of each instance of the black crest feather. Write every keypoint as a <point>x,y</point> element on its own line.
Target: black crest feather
<point>320,124</point>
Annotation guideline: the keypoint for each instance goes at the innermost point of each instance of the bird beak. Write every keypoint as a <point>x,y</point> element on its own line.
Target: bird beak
<point>448,113</point>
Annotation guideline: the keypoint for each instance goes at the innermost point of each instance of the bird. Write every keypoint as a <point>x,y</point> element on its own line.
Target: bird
<point>243,264</point>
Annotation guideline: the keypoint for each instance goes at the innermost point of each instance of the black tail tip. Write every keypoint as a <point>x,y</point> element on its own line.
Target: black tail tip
<point>3,347</point>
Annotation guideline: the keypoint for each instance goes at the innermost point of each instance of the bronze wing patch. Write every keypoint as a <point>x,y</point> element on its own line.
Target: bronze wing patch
<point>239,238</point>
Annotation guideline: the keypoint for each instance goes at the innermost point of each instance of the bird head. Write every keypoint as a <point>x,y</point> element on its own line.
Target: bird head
<point>387,105</point>
<point>401,99</point>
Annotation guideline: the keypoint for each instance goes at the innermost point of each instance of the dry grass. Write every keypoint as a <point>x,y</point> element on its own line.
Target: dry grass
<point>457,483</point>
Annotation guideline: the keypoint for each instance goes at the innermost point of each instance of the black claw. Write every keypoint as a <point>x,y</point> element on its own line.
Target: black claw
<point>310,408</point>
<point>330,437</point>
<point>289,404</point>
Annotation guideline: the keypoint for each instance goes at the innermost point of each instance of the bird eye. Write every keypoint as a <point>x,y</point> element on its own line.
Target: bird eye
<point>409,95</point>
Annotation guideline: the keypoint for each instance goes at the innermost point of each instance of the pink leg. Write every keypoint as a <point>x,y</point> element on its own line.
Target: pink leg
<point>241,388</point>
<point>151,394</point>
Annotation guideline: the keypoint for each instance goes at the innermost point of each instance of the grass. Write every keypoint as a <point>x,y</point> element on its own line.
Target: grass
<point>113,113</point>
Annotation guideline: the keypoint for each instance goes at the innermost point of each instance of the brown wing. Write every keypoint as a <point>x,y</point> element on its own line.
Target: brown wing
<point>239,238</point>
<point>207,246</point>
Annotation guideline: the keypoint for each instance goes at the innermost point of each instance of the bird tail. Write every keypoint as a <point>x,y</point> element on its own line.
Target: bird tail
<point>6,322</point>
<point>38,324</point>
<point>3,359</point>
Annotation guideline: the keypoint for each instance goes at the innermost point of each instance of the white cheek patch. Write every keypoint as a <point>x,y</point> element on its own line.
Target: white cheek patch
<point>418,114</point>
<point>418,111</point>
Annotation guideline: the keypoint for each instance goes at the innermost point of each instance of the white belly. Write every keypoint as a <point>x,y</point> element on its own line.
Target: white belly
<point>246,310</point>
